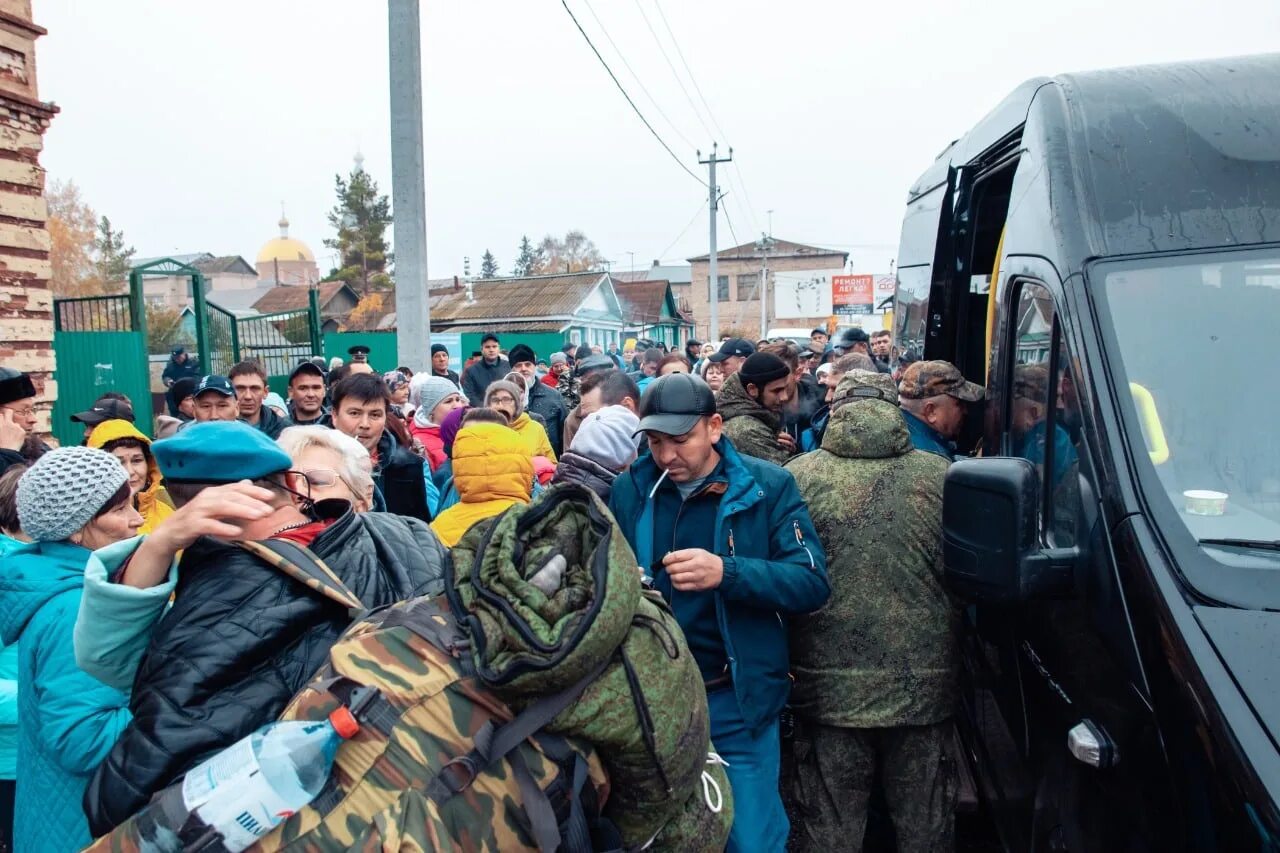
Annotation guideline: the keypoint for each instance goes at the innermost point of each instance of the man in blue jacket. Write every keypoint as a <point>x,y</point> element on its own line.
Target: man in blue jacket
<point>729,542</point>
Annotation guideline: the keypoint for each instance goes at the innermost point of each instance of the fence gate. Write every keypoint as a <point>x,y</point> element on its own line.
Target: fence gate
<point>101,345</point>
<point>278,341</point>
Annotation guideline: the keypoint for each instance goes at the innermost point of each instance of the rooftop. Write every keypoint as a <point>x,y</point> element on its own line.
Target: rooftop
<point>780,249</point>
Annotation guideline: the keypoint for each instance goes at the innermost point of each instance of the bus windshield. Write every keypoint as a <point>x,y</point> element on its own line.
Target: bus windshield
<point>1199,343</point>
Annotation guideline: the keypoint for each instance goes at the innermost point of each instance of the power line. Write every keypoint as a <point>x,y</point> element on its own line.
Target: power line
<point>742,182</point>
<point>616,82</point>
<point>729,221</point>
<point>688,71</point>
<point>696,214</point>
<point>674,73</point>
<point>639,82</point>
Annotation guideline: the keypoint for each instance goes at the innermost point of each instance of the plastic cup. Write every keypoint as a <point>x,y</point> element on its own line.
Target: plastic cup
<point>1205,502</point>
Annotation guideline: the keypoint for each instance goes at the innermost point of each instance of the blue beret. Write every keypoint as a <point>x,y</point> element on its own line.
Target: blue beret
<point>219,452</point>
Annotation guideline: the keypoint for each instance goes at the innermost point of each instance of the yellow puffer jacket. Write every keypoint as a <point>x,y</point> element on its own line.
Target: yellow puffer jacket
<point>535,435</point>
<point>492,470</point>
<point>153,502</point>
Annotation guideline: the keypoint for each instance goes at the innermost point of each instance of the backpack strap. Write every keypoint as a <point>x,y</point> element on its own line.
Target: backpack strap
<point>493,744</point>
<point>299,563</point>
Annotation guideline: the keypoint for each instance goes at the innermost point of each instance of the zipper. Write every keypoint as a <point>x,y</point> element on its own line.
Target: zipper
<point>731,542</point>
<point>800,539</point>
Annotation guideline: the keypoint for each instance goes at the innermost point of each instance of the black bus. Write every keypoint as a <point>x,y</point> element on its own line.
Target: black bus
<point>1102,252</point>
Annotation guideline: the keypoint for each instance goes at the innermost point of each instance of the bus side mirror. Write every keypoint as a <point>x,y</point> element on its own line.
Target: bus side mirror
<point>990,534</point>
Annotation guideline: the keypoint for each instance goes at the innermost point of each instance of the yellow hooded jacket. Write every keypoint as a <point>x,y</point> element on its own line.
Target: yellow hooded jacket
<point>535,436</point>
<point>153,502</point>
<point>492,470</point>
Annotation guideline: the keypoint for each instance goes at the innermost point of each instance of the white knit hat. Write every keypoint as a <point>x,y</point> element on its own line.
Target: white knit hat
<point>606,437</point>
<point>65,489</point>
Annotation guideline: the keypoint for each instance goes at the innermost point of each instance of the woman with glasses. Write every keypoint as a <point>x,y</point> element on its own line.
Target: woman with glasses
<point>333,463</point>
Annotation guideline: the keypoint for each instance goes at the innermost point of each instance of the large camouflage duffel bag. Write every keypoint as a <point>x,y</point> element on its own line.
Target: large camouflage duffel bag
<point>440,762</point>
<point>549,593</point>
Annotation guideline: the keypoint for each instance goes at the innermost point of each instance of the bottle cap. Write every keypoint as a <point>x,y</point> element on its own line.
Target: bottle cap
<point>344,723</point>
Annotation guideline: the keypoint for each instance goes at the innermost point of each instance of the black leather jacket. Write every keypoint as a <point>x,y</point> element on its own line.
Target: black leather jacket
<point>240,640</point>
<point>400,477</point>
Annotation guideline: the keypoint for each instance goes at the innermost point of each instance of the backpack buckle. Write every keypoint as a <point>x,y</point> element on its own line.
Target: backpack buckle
<point>458,774</point>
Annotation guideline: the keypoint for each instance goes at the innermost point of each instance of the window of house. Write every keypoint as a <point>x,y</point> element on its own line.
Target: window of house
<point>722,288</point>
<point>1044,411</point>
<point>748,286</point>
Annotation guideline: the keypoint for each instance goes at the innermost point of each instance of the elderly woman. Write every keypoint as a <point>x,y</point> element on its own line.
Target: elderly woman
<point>335,464</point>
<point>73,500</point>
<point>508,397</point>
<point>122,440</point>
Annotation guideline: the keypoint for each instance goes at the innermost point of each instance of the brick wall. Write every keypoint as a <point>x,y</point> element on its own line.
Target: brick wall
<point>744,314</point>
<point>26,304</point>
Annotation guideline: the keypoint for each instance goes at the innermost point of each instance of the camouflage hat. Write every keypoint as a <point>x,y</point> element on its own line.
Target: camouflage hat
<point>1031,382</point>
<point>933,379</point>
<point>859,385</point>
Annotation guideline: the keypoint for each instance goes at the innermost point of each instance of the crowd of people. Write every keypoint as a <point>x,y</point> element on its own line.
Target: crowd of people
<point>785,499</point>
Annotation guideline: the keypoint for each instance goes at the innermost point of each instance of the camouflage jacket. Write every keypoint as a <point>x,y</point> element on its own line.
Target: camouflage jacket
<point>751,427</point>
<point>882,652</point>
<point>569,387</point>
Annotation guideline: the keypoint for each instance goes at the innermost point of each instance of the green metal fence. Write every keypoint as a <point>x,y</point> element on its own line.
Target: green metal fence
<point>223,347</point>
<point>101,345</point>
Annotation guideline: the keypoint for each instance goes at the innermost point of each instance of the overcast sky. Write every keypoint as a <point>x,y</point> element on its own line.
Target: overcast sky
<point>188,123</point>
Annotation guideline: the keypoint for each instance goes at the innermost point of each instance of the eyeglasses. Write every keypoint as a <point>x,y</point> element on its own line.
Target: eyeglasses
<point>28,412</point>
<point>502,398</point>
<point>326,478</point>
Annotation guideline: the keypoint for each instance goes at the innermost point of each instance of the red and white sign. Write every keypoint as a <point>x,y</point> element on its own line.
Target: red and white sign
<point>852,294</point>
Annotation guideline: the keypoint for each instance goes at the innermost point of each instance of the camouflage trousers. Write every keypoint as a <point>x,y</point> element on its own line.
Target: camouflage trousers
<point>835,769</point>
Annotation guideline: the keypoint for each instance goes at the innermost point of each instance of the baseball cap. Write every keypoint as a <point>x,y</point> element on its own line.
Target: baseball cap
<point>105,410</point>
<point>674,403</point>
<point>934,378</point>
<point>1031,382</point>
<point>733,346</point>
<point>219,452</point>
<point>307,366</point>
<point>849,337</point>
<point>221,384</point>
<point>864,385</point>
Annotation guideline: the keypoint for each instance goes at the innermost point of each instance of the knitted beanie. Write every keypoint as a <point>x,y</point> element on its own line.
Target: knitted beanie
<point>606,437</point>
<point>449,428</point>
<point>425,393</point>
<point>65,489</point>
<point>511,388</point>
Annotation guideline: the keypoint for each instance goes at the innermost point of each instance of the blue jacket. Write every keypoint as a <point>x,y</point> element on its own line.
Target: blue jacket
<point>928,439</point>
<point>68,722</point>
<point>773,565</point>
<point>8,694</point>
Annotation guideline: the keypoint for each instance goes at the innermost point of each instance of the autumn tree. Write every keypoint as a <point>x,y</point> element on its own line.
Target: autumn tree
<point>488,265</point>
<point>360,219</point>
<point>573,253</point>
<point>528,259</point>
<point>114,259</point>
<point>367,311</point>
<point>72,232</point>
<point>164,329</point>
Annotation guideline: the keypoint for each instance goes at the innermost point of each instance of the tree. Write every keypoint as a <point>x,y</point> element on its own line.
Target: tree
<point>574,253</point>
<point>488,265</point>
<point>114,260</point>
<point>360,219</point>
<point>367,311</point>
<point>72,242</point>
<point>164,329</point>
<point>529,258</point>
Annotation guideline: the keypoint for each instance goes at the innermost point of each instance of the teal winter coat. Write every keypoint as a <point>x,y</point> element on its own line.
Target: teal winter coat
<point>8,694</point>
<point>774,566</point>
<point>67,721</point>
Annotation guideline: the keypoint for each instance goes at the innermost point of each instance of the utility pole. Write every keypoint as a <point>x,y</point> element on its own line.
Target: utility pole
<point>763,245</point>
<point>712,273</point>
<point>408,189</point>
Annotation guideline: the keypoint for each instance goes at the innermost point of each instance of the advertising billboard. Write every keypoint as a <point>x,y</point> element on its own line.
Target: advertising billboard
<point>802,293</point>
<point>852,295</point>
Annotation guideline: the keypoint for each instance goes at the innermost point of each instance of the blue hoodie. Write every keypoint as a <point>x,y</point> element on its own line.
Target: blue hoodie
<point>774,566</point>
<point>67,721</point>
<point>8,694</point>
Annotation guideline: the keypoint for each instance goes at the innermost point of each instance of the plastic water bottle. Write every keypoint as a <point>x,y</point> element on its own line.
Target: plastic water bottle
<point>247,789</point>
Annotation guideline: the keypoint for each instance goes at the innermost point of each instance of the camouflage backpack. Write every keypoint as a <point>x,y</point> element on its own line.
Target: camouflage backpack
<point>439,763</point>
